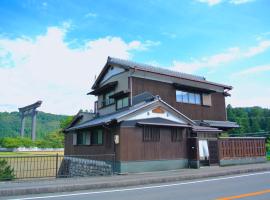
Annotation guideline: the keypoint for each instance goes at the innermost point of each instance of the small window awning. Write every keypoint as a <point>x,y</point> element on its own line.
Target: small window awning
<point>104,88</point>
<point>218,124</point>
<point>120,94</point>
<point>205,129</point>
<point>160,122</point>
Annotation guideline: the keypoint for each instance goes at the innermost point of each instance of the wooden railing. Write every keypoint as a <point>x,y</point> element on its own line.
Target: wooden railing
<point>241,147</point>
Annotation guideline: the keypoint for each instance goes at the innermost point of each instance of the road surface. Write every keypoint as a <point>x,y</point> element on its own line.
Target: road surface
<point>246,186</point>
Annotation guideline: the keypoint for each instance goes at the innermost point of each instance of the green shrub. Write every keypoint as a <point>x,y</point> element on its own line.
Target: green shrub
<point>52,140</point>
<point>9,142</point>
<point>6,172</point>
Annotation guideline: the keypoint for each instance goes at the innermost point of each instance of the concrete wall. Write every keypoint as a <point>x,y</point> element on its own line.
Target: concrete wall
<point>242,161</point>
<point>150,165</point>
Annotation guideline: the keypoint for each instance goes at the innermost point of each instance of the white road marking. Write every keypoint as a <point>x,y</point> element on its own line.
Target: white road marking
<point>141,188</point>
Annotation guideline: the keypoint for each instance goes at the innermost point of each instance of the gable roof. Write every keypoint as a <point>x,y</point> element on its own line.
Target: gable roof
<point>126,64</point>
<point>123,115</point>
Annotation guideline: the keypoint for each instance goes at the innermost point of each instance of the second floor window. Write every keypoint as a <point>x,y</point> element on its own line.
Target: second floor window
<point>122,103</point>
<point>188,97</point>
<point>107,100</point>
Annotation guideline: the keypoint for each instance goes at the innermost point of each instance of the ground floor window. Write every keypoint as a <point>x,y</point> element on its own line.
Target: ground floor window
<point>93,137</point>
<point>151,134</point>
<point>83,138</point>
<point>97,137</point>
<point>176,134</point>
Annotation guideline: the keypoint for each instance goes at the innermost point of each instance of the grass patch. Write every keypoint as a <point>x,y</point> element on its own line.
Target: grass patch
<point>36,164</point>
<point>31,153</point>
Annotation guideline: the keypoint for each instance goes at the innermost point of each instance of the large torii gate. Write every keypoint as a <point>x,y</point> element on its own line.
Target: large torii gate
<point>29,110</point>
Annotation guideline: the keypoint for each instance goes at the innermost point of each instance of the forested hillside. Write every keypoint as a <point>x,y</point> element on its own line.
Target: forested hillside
<point>254,121</point>
<point>46,123</point>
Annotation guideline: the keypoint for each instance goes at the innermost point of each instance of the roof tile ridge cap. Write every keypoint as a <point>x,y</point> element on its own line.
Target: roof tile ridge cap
<point>138,64</point>
<point>192,76</point>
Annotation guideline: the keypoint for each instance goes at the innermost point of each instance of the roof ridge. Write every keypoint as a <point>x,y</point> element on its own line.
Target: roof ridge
<point>138,64</point>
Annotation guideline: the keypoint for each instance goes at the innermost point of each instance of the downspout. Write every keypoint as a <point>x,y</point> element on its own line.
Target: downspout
<point>130,86</point>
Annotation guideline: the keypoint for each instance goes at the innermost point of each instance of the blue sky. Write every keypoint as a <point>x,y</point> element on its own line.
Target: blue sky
<point>52,50</point>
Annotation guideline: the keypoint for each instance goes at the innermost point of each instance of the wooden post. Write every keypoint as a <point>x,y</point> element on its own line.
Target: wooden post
<point>56,166</point>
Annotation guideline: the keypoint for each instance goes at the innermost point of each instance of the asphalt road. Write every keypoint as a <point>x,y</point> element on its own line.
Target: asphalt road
<point>248,186</point>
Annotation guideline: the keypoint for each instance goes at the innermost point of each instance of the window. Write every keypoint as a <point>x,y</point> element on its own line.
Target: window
<point>176,134</point>
<point>83,138</point>
<point>206,99</point>
<point>97,137</point>
<point>188,97</point>
<point>151,134</point>
<point>107,100</point>
<point>122,103</point>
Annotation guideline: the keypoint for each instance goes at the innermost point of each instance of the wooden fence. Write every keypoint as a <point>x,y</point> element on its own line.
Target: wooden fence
<point>241,147</point>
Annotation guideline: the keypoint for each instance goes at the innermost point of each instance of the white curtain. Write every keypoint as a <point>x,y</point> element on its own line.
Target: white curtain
<point>203,149</point>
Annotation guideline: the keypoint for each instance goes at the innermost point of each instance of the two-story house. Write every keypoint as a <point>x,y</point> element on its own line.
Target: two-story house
<point>151,118</point>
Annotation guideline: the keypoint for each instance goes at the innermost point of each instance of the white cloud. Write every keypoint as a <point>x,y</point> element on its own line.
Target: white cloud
<point>210,2</point>
<point>46,68</point>
<point>253,70</point>
<point>249,94</point>
<point>240,1</point>
<point>91,14</point>
<point>216,2</point>
<point>230,55</point>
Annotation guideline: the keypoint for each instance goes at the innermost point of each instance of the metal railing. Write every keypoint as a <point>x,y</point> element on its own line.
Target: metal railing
<point>59,166</point>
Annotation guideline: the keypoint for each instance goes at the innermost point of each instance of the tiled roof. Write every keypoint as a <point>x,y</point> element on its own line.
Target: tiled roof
<point>131,64</point>
<point>110,117</point>
<point>218,124</point>
<point>149,68</point>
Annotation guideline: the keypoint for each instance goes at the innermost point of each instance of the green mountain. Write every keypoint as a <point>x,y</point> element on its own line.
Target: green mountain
<point>254,121</point>
<point>46,123</point>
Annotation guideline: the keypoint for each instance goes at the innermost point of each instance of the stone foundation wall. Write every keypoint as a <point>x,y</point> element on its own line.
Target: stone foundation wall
<point>242,161</point>
<point>74,167</point>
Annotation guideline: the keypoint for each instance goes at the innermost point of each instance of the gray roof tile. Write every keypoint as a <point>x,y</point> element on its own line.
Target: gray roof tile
<point>131,64</point>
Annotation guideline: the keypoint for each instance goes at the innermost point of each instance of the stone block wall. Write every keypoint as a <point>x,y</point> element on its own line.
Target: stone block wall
<point>81,167</point>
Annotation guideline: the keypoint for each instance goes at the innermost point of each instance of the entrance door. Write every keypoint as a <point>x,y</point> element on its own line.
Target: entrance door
<point>193,156</point>
<point>213,152</point>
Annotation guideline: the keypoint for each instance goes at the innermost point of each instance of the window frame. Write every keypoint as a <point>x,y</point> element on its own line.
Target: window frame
<point>84,139</point>
<point>107,101</point>
<point>122,102</point>
<point>95,139</point>
<point>182,96</point>
<point>176,134</point>
<point>151,134</point>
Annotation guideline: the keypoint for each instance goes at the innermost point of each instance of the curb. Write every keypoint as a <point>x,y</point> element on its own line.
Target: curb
<point>123,183</point>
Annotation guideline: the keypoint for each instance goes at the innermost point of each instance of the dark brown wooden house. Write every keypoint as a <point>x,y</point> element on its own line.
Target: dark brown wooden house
<point>156,119</point>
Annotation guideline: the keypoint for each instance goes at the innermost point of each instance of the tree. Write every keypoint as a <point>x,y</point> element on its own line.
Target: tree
<point>6,172</point>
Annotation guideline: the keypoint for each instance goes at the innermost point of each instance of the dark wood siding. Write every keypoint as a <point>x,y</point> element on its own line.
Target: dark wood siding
<point>239,148</point>
<point>105,148</point>
<point>167,92</point>
<point>132,146</point>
